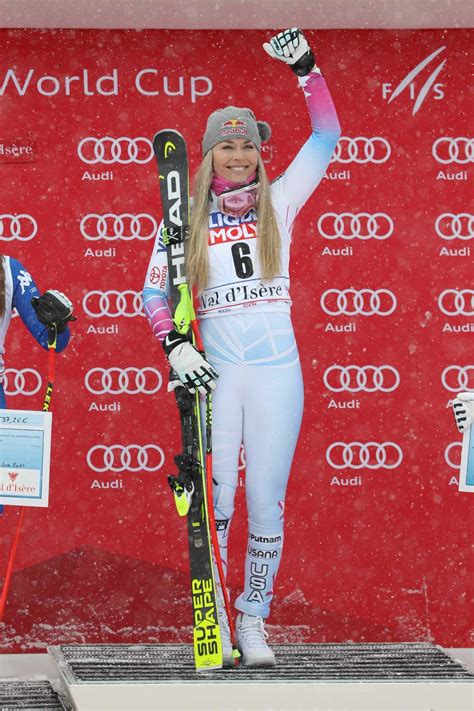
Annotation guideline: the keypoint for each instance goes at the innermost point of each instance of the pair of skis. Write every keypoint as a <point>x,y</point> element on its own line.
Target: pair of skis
<point>192,487</point>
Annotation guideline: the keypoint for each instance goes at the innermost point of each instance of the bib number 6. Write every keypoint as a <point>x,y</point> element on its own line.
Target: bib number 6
<point>242,261</point>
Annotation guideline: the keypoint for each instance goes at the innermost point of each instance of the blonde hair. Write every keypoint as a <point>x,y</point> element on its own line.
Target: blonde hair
<point>269,239</point>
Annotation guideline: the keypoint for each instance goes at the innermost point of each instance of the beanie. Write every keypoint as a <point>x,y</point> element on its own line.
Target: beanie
<point>234,122</point>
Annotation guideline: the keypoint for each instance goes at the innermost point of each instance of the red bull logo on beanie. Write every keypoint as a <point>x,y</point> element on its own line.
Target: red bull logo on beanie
<point>234,126</point>
<point>234,122</point>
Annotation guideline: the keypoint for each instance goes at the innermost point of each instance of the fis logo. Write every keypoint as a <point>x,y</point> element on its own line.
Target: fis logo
<point>429,85</point>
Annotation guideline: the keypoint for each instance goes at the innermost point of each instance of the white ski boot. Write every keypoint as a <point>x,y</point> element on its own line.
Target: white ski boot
<point>252,641</point>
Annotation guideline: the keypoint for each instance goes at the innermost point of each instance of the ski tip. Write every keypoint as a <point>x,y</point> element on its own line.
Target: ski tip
<point>168,131</point>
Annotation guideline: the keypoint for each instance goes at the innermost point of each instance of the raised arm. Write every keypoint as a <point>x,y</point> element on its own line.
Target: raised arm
<point>307,169</point>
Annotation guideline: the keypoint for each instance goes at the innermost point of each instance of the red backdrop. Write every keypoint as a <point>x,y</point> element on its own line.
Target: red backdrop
<point>377,536</point>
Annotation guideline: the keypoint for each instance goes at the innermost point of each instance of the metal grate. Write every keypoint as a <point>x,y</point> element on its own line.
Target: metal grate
<point>305,662</point>
<point>30,696</point>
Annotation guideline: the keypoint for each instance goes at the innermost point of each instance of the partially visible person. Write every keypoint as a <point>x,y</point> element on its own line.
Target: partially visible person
<point>43,315</point>
<point>463,409</point>
<point>40,314</point>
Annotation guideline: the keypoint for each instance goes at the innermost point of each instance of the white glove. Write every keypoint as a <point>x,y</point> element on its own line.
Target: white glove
<point>463,408</point>
<point>191,367</point>
<point>288,46</point>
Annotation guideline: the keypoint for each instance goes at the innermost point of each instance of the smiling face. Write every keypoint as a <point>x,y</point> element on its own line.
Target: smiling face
<point>235,159</point>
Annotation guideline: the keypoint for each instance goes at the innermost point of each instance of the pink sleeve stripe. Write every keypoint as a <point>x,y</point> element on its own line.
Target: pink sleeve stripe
<point>158,314</point>
<point>320,104</point>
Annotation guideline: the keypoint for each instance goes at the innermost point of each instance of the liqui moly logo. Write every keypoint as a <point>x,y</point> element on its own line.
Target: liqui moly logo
<point>232,233</point>
<point>227,228</point>
<point>416,92</point>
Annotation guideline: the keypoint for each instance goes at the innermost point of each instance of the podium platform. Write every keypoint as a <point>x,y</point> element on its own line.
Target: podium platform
<point>32,696</point>
<point>362,677</point>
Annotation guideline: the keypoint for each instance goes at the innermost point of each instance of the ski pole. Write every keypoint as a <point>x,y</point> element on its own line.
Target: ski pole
<point>10,564</point>
<point>213,529</point>
<point>52,339</point>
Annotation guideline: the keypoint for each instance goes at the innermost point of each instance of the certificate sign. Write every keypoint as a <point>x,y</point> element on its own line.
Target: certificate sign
<point>25,451</point>
<point>466,475</point>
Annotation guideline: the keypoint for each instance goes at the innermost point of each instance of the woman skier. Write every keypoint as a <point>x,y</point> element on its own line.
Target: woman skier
<point>40,314</point>
<point>238,264</point>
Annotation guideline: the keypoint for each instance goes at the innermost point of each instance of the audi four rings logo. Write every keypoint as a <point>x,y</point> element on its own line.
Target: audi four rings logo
<point>118,381</point>
<point>125,226</point>
<point>364,302</point>
<point>456,378</point>
<point>450,226</point>
<point>110,150</point>
<point>21,382</point>
<point>121,458</point>
<point>456,302</point>
<point>456,449</point>
<point>362,150</point>
<point>363,225</point>
<point>453,150</point>
<point>22,227</point>
<point>366,378</point>
<point>358,455</point>
<point>113,304</point>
